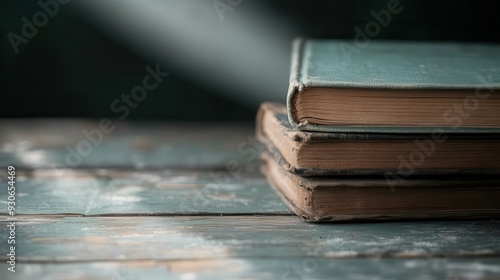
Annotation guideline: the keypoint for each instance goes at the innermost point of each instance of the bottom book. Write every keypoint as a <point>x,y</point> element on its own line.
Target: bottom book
<point>324,199</point>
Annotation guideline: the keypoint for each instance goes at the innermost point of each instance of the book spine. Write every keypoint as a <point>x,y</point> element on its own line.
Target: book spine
<point>295,84</point>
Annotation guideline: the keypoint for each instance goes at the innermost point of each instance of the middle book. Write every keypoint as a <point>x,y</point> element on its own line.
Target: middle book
<point>322,154</point>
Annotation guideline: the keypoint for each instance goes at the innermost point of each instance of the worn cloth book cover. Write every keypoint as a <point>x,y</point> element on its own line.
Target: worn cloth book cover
<point>394,87</point>
<point>324,199</point>
<point>393,155</point>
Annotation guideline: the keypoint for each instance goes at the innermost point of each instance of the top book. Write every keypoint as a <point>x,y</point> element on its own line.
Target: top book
<point>394,87</point>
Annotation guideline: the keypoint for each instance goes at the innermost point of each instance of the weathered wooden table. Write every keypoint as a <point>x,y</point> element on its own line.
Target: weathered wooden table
<point>157,201</point>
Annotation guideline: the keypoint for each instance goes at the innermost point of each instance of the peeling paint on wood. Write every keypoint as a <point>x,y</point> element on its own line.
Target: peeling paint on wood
<point>292,268</point>
<point>64,239</point>
<point>132,192</point>
<point>43,143</point>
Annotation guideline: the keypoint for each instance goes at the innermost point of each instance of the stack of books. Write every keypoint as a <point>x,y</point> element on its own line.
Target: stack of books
<point>393,130</point>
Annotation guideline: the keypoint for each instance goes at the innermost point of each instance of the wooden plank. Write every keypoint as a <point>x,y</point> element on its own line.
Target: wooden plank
<point>67,239</point>
<point>146,192</point>
<point>44,144</point>
<point>293,268</point>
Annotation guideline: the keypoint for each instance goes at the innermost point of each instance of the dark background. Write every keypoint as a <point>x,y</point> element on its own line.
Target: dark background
<point>72,68</point>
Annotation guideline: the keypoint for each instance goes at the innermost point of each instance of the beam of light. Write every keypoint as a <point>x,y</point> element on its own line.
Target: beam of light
<point>245,55</point>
